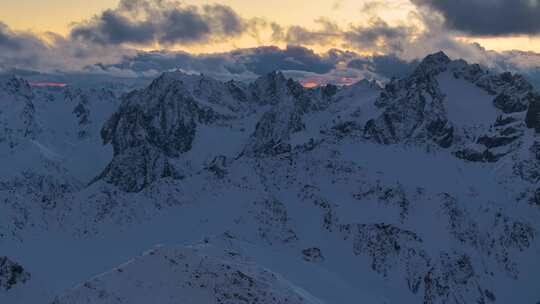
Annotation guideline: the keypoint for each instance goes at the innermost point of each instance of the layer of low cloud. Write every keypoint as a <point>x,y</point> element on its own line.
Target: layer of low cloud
<point>387,66</point>
<point>488,17</point>
<point>241,64</point>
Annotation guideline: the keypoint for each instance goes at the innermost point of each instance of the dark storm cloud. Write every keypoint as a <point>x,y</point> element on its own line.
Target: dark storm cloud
<point>145,22</point>
<point>49,51</point>
<point>263,60</point>
<point>157,62</point>
<point>113,28</point>
<point>488,17</point>
<point>378,35</point>
<point>388,66</point>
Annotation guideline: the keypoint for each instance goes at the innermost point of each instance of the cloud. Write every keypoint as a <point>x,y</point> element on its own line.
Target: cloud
<point>328,33</point>
<point>50,52</point>
<point>8,40</point>
<point>488,17</point>
<point>376,35</point>
<point>301,63</point>
<point>379,36</point>
<point>387,66</point>
<point>263,60</point>
<point>166,22</point>
<point>238,64</point>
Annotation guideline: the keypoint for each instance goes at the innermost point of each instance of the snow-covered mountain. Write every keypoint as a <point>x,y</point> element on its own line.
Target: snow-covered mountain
<point>425,190</point>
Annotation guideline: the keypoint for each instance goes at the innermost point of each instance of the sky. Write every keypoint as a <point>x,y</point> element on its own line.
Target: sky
<point>340,39</point>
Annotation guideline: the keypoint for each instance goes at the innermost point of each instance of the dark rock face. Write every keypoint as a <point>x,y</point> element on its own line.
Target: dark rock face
<point>484,156</point>
<point>514,93</point>
<point>274,89</point>
<point>273,222</point>
<point>290,102</point>
<point>17,116</point>
<point>533,113</point>
<point>509,104</point>
<point>454,280</point>
<point>273,131</point>
<point>137,168</point>
<point>441,279</point>
<point>169,125</point>
<point>413,108</point>
<point>384,244</point>
<point>494,142</point>
<point>536,197</point>
<point>312,255</point>
<point>503,137</point>
<point>152,127</point>
<point>505,236</point>
<point>218,166</point>
<point>11,274</point>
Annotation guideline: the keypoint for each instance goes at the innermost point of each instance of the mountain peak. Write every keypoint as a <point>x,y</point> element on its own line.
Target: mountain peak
<point>273,77</point>
<point>276,74</point>
<point>433,64</point>
<point>18,85</point>
<point>173,75</point>
<point>437,58</point>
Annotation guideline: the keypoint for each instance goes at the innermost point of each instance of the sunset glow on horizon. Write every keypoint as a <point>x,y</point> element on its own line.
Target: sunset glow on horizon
<point>48,84</point>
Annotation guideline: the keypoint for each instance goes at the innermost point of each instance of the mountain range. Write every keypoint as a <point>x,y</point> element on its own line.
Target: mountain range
<point>424,189</point>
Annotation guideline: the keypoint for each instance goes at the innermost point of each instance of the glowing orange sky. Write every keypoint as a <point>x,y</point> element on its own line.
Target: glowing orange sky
<point>57,15</point>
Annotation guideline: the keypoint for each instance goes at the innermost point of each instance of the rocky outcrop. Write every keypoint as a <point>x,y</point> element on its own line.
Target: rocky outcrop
<point>313,255</point>
<point>84,103</point>
<point>153,127</point>
<point>533,113</point>
<point>384,244</point>
<point>11,274</point>
<point>504,237</point>
<point>273,222</point>
<point>416,110</point>
<point>273,131</point>
<point>290,103</point>
<point>413,108</point>
<point>502,139</point>
<point>17,115</point>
